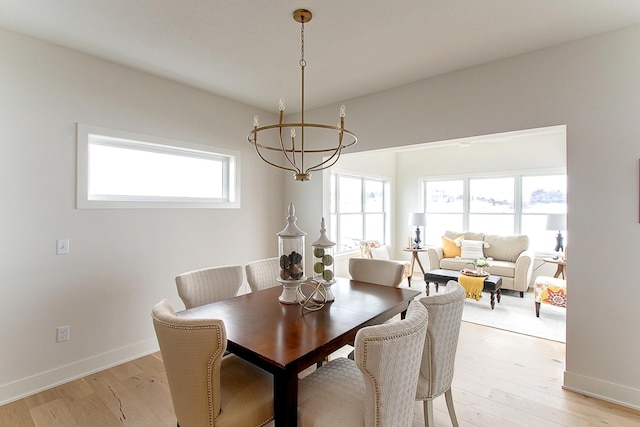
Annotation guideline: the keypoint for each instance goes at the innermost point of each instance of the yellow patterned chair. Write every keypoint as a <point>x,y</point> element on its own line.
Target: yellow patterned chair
<point>373,249</point>
<point>549,290</point>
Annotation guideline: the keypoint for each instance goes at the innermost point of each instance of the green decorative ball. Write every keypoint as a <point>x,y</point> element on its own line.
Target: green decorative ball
<point>318,267</point>
<point>327,260</point>
<point>327,275</point>
<point>318,252</point>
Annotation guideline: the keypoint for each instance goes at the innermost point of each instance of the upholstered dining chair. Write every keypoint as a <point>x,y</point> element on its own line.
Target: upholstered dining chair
<point>208,285</point>
<point>377,271</point>
<point>262,274</point>
<point>440,345</point>
<point>378,388</point>
<point>206,388</point>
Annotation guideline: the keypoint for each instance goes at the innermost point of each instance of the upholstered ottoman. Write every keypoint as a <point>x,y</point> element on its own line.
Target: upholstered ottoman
<point>549,290</point>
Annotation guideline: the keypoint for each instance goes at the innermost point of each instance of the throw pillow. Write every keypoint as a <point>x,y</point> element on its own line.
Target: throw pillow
<point>472,249</point>
<point>365,247</point>
<point>451,248</point>
<point>506,248</point>
<point>380,253</point>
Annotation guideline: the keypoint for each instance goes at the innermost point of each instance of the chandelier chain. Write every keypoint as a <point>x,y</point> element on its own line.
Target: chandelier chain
<point>303,63</point>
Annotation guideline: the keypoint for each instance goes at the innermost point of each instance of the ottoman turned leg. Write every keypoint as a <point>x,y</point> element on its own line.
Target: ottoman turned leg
<point>437,286</point>
<point>493,299</point>
<point>427,289</point>
<point>498,293</point>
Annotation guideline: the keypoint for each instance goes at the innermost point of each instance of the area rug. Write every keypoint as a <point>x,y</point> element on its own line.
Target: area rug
<point>517,315</point>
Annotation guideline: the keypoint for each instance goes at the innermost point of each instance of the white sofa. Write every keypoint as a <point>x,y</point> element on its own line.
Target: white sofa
<point>512,259</point>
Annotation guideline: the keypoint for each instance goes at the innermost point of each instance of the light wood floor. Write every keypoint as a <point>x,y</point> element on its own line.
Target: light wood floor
<point>501,379</point>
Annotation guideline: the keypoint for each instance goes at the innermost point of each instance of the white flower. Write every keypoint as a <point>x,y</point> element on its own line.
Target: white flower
<point>482,262</point>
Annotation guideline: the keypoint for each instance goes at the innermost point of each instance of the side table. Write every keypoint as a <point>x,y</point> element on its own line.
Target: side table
<point>562,266</point>
<point>415,257</point>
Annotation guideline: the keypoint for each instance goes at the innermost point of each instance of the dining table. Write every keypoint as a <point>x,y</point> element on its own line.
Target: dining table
<point>285,339</point>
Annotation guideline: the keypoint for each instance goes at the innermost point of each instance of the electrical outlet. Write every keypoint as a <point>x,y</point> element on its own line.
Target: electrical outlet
<point>63,333</point>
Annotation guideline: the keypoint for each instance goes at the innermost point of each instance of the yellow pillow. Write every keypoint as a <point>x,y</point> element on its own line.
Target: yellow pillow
<point>450,247</point>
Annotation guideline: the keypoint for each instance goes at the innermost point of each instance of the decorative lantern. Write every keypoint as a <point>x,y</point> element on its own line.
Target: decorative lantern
<point>291,255</point>
<point>323,262</point>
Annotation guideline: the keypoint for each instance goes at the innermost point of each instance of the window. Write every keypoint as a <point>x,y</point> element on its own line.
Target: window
<point>542,195</point>
<point>444,207</point>
<point>491,205</point>
<point>359,210</point>
<point>120,169</point>
<point>498,205</point>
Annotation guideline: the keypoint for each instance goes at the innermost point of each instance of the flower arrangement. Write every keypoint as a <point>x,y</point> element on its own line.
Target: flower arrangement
<point>481,262</point>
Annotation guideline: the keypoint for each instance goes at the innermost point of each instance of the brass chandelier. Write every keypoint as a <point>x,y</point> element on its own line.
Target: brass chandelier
<point>293,155</point>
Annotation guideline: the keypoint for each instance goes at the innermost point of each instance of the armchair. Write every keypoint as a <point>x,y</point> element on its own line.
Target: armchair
<point>373,249</point>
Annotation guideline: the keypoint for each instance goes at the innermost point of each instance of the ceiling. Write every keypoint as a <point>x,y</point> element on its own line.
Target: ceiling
<point>248,50</point>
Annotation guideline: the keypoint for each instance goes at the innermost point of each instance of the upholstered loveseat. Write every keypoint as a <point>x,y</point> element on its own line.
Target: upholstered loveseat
<point>512,259</point>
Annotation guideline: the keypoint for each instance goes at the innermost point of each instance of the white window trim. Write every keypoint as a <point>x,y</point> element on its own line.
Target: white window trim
<point>386,203</point>
<point>162,145</point>
<point>518,174</point>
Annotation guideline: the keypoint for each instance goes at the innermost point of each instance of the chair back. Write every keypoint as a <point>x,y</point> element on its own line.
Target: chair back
<point>389,356</point>
<point>441,343</point>
<point>192,352</point>
<point>376,271</point>
<point>209,285</point>
<point>262,274</point>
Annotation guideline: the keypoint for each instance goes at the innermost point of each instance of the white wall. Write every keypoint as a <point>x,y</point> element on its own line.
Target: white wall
<point>121,261</point>
<point>592,86</point>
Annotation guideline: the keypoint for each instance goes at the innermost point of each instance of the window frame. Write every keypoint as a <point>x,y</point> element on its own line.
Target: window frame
<point>335,212</point>
<point>517,213</point>
<point>87,135</point>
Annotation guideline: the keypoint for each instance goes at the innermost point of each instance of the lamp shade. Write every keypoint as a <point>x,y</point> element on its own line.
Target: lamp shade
<point>417,219</point>
<point>557,222</point>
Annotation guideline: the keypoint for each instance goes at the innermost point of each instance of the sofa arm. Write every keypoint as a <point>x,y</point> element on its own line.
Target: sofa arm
<point>524,270</point>
<point>435,255</point>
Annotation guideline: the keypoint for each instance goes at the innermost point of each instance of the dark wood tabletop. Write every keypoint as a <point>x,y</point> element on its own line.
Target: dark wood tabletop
<point>285,339</point>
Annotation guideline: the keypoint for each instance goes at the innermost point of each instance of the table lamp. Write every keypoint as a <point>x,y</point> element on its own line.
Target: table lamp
<point>557,222</point>
<point>417,219</point>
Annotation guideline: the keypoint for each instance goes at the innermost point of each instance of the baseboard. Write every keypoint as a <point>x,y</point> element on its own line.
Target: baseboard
<point>15,390</point>
<point>610,392</point>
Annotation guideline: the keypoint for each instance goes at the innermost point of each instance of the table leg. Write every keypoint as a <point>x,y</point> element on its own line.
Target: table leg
<point>285,397</point>
<point>415,255</point>
<point>437,286</point>
<point>413,261</point>
<point>558,272</point>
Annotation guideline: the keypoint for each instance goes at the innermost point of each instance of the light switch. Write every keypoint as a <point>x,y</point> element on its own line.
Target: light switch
<point>62,246</point>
